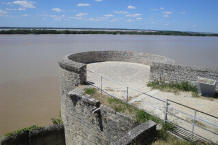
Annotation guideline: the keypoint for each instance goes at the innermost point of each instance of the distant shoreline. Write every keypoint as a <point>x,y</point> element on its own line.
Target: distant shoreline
<point>101,31</point>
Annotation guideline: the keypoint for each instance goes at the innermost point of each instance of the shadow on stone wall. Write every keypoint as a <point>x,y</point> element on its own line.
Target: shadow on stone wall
<point>104,126</point>
<point>52,135</point>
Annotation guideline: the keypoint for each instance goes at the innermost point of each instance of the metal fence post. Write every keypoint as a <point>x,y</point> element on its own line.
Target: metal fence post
<point>127,94</point>
<point>101,85</point>
<point>166,111</point>
<point>193,124</point>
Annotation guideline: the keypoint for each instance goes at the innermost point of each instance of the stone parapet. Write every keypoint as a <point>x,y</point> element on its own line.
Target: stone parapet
<point>52,135</point>
<point>142,134</point>
<point>179,73</point>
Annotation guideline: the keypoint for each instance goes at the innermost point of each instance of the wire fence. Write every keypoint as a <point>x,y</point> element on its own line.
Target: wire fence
<point>190,123</point>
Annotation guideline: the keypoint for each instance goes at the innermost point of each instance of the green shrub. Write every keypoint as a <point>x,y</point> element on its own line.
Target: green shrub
<point>141,116</point>
<point>56,121</point>
<point>183,86</point>
<point>20,131</point>
<point>120,106</point>
<point>90,91</point>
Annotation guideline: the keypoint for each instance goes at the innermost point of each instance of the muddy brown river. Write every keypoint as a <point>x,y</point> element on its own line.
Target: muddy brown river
<point>29,86</point>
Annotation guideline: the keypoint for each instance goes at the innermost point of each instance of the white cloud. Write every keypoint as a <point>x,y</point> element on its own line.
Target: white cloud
<point>56,9</point>
<point>57,17</point>
<point>98,0</point>
<point>131,7</point>
<point>81,14</point>
<point>108,15</point>
<point>25,15</point>
<point>24,4</point>
<point>96,18</point>
<point>121,12</point>
<point>3,13</point>
<point>18,9</point>
<point>54,17</point>
<point>134,15</point>
<point>167,14</point>
<point>139,18</point>
<point>158,9</point>
<point>83,4</point>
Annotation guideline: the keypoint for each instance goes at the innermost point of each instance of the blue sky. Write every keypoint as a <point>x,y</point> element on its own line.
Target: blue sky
<point>183,15</point>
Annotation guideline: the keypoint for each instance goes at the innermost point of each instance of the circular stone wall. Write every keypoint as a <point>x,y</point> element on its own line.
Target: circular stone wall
<point>77,62</point>
<point>74,73</point>
<point>52,135</point>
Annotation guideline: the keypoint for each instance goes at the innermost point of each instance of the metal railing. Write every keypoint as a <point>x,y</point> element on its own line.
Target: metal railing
<point>191,124</point>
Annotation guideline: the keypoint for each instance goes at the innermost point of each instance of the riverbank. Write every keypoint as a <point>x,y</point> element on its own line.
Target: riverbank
<point>94,31</point>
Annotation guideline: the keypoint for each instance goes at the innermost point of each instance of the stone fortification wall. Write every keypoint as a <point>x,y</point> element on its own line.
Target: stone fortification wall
<point>74,65</point>
<point>89,123</point>
<point>82,125</point>
<point>86,125</point>
<point>142,134</point>
<point>53,135</point>
<point>127,56</point>
<point>178,73</point>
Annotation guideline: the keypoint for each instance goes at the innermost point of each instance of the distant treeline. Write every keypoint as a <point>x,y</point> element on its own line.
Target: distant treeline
<point>44,31</point>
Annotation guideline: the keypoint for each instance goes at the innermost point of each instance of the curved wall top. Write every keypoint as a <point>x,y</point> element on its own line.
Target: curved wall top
<point>76,61</point>
<point>128,56</point>
<point>78,109</point>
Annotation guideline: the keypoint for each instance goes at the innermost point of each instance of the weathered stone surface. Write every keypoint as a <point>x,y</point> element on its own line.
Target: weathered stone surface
<point>127,56</point>
<point>178,73</point>
<point>142,134</point>
<point>52,135</point>
<point>84,125</point>
<point>207,87</point>
<point>84,122</point>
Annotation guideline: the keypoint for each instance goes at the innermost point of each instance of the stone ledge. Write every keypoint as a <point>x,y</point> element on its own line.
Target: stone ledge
<point>70,65</point>
<point>77,94</point>
<point>46,136</point>
<point>143,132</point>
<point>179,66</point>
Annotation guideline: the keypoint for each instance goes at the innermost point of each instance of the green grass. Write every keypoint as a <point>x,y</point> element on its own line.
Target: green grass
<point>90,91</point>
<point>167,139</point>
<point>183,86</point>
<point>56,121</point>
<point>21,131</point>
<point>142,116</point>
<point>123,107</point>
<point>120,106</point>
<point>163,137</point>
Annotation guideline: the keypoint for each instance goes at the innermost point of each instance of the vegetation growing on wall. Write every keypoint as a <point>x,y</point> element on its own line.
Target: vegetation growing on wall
<point>23,130</point>
<point>167,139</point>
<point>123,107</point>
<point>163,136</point>
<point>174,87</point>
<point>57,121</point>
